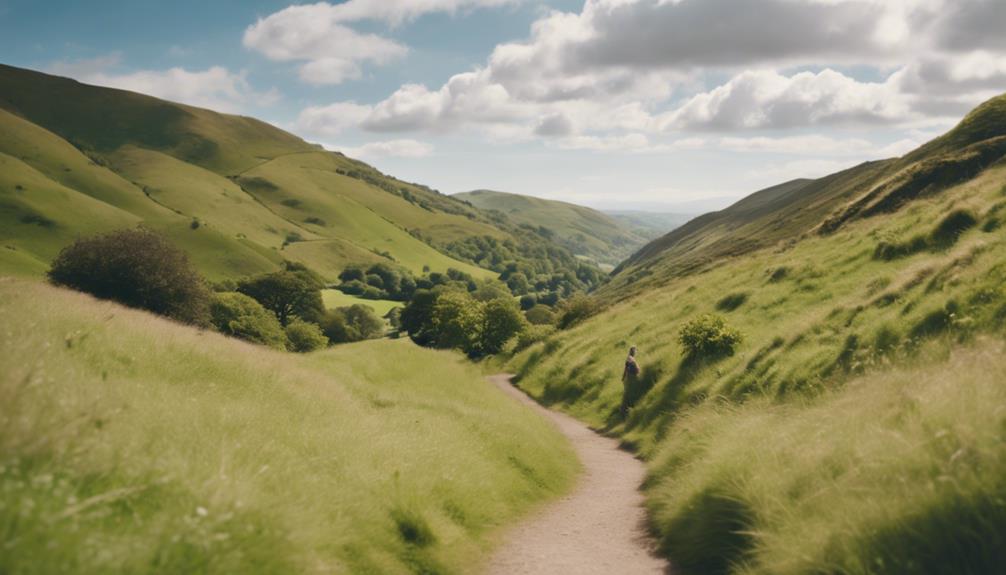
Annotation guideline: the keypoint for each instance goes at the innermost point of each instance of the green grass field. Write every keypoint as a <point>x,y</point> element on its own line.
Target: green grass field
<point>817,446</point>
<point>133,444</point>
<point>334,298</point>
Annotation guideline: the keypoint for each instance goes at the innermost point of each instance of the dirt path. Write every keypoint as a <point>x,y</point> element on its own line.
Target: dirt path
<point>598,528</point>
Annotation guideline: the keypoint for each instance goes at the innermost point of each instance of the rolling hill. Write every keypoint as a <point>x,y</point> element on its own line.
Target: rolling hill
<point>134,444</point>
<point>856,426</point>
<point>585,232</point>
<point>237,194</point>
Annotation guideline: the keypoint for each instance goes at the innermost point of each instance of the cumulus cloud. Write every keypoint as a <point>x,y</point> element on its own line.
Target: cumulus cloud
<point>330,51</point>
<point>215,87</point>
<point>767,99</point>
<point>330,120</point>
<point>404,148</point>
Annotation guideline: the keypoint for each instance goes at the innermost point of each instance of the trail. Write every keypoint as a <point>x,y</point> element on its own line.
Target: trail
<point>598,528</point>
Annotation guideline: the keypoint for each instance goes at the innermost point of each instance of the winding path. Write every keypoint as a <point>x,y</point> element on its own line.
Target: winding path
<point>598,528</point>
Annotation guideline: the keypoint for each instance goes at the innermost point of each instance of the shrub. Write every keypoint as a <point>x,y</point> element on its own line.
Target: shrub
<point>708,336</point>
<point>335,327</point>
<point>240,316</point>
<point>363,319</point>
<point>577,309</point>
<point>137,268</point>
<point>532,335</point>
<point>502,321</point>
<point>540,315</point>
<point>457,321</point>
<point>303,337</point>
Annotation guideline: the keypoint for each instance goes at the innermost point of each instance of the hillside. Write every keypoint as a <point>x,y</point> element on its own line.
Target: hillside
<point>856,427</point>
<point>789,211</point>
<point>650,225</point>
<point>585,232</point>
<point>134,444</point>
<point>238,195</point>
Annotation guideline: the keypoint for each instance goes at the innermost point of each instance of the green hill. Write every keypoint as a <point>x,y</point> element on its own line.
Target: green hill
<point>238,194</point>
<point>133,444</point>
<point>857,427</point>
<point>585,232</point>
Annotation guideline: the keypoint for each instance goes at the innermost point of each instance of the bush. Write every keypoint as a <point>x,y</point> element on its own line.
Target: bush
<point>363,319</point>
<point>732,301</point>
<point>240,316</point>
<point>532,335</point>
<point>457,321</point>
<point>577,309</point>
<point>502,321</point>
<point>708,336</point>
<point>303,337</point>
<point>540,315</point>
<point>137,268</point>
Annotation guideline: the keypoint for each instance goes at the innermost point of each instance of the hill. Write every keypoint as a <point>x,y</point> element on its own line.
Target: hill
<point>237,194</point>
<point>586,232</point>
<point>650,225</point>
<point>134,444</point>
<point>856,420</point>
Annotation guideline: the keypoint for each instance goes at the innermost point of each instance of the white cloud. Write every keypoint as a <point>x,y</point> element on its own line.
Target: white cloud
<point>215,88</point>
<point>329,49</point>
<point>786,171</point>
<point>330,120</point>
<point>404,148</point>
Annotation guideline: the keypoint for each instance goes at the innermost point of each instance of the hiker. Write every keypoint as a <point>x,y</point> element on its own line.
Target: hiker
<point>630,378</point>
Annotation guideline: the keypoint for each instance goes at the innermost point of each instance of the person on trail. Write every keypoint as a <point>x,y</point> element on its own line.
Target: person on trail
<point>630,378</point>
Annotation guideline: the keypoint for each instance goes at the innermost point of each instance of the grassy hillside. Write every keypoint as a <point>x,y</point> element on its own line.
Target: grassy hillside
<point>133,444</point>
<point>650,225</point>
<point>857,427</point>
<point>584,231</point>
<point>238,195</point>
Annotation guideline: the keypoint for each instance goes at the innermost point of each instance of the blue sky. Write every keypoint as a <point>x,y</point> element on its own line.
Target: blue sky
<point>611,103</point>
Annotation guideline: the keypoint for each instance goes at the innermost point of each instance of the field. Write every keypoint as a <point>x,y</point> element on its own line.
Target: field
<point>816,447</point>
<point>334,298</point>
<point>133,444</point>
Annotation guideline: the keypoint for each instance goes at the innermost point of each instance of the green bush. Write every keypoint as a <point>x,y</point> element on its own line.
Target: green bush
<point>137,268</point>
<point>240,316</point>
<point>708,336</point>
<point>540,315</point>
<point>303,337</point>
<point>576,309</point>
<point>502,321</point>
<point>732,302</point>
<point>457,321</point>
<point>951,227</point>
<point>532,335</point>
<point>291,293</point>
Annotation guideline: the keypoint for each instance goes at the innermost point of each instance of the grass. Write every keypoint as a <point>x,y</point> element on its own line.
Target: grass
<point>132,444</point>
<point>761,462</point>
<point>248,185</point>
<point>334,298</point>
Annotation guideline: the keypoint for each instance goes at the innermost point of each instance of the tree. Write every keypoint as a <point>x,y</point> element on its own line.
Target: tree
<point>417,317</point>
<point>457,321</point>
<point>303,337</point>
<point>240,316</point>
<point>363,319</point>
<point>137,268</point>
<point>288,294</point>
<point>540,315</point>
<point>502,321</point>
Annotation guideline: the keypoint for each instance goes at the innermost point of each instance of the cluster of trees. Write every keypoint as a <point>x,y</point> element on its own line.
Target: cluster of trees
<point>141,269</point>
<point>379,281</point>
<point>449,317</point>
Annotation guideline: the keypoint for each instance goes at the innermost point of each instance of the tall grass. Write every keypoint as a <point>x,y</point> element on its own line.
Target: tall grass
<point>760,461</point>
<point>132,444</point>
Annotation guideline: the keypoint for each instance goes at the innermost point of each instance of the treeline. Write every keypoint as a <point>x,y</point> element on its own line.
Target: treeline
<point>141,269</point>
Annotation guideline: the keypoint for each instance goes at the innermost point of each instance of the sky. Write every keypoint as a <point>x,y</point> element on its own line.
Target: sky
<point>617,104</point>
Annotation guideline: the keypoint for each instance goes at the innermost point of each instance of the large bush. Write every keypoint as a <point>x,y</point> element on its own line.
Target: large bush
<point>577,309</point>
<point>708,336</point>
<point>457,321</point>
<point>304,337</point>
<point>240,316</point>
<point>137,268</point>
<point>502,320</point>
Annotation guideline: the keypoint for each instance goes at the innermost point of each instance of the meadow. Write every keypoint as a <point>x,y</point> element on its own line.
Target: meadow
<point>134,444</point>
<point>857,428</point>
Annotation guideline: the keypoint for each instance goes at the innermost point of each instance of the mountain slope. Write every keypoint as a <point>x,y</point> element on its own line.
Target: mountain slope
<point>860,414</point>
<point>584,231</point>
<point>785,212</point>
<point>238,195</point>
<point>135,444</point>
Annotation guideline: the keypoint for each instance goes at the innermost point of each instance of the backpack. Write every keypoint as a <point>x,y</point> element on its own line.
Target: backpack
<point>632,366</point>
